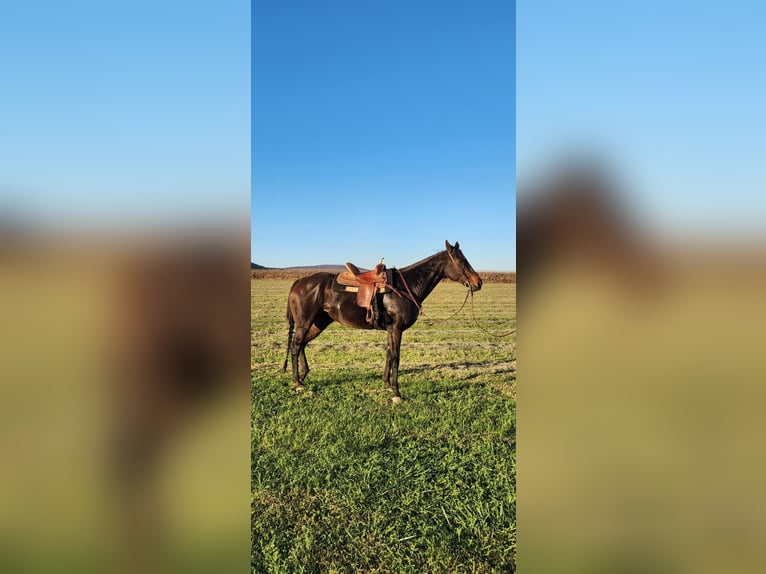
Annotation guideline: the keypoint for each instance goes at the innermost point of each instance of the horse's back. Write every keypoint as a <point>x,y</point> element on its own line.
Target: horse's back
<point>310,291</point>
<point>320,279</point>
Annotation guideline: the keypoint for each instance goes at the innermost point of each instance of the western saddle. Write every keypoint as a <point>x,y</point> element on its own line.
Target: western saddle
<point>367,284</point>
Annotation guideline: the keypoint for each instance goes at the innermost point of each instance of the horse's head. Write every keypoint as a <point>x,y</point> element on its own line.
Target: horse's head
<point>458,269</point>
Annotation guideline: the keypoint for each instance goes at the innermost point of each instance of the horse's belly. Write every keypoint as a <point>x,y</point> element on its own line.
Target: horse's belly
<point>346,312</point>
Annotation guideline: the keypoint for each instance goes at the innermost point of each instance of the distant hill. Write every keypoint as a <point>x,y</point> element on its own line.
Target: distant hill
<point>327,266</point>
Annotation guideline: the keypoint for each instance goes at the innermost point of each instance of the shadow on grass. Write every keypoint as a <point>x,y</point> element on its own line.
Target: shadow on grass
<point>416,383</point>
<point>454,365</point>
<point>353,380</point>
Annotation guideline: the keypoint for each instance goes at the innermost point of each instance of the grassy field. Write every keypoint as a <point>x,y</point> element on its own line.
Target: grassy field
<point>343,480</point>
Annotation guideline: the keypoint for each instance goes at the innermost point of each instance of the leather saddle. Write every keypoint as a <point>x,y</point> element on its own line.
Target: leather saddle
<point>366,284</point>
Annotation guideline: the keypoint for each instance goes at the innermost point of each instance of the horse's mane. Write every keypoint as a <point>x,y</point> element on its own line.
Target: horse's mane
<point>424,260</point>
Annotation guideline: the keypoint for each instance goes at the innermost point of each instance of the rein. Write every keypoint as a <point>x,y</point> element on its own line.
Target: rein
<point>469,292</point>
<point>411,297</point>
<point>473,315</point>
<point>433,321</point>
<point>409,294</point>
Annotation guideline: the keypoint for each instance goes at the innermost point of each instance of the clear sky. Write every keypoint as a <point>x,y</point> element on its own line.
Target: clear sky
<point>380,129</point>
<point>670,94</point>
<point>125,111</point>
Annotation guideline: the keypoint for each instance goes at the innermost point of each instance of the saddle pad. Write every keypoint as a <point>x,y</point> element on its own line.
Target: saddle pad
<point>348,288</point>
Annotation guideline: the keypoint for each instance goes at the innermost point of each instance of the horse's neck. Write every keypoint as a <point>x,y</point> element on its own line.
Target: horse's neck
<point>424,276</point>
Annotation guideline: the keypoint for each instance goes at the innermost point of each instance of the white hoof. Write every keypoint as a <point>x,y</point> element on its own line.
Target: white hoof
<point>396,400</point>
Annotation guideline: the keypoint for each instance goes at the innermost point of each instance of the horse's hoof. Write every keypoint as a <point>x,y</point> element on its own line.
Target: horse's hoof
<point>396,400</point>
<point>299,388</point>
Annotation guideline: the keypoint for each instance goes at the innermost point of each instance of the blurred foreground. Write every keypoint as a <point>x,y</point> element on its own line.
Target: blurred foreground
<point>124,402</point>
<point>641,389</point>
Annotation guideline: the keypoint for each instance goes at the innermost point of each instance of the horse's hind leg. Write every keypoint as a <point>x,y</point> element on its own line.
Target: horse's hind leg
<point>301,365</point>
<point>303,368</point>
<point>296,349</point>
<point>298,354</point>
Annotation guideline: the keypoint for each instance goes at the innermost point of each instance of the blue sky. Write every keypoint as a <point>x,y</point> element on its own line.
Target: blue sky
<point>393,116</point>
<point>669,94</point>
<point>126,111</point>
<point>399,113</point>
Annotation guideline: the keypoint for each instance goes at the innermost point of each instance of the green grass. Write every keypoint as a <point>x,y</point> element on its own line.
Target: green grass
<point>343,480</point>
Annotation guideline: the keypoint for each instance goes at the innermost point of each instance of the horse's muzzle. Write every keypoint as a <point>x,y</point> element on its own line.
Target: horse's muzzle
<point>474,284</point>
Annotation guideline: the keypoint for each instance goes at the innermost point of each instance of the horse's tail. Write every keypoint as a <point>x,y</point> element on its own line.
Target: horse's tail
<point>290,331</point>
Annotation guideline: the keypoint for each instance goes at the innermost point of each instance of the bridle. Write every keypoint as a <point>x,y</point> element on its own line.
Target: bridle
<point>466,281</point>
<point>411,297</point>
<point>408,295</point>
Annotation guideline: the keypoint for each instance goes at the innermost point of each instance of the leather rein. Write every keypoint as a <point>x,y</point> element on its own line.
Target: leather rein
<point>473,315</point>
<point>411,297</point>
<point>407,295</point>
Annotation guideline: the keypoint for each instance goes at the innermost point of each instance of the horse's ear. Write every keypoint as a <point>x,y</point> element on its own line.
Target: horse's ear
<point>448,246</point>
<point>457,245</point>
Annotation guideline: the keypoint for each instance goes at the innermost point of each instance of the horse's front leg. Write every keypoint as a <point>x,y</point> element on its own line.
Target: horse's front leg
<point>391,371</point>
<point>387,368</point>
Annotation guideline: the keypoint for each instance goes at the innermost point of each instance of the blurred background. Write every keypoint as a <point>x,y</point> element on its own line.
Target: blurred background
<point>640,133</point>
<point>124,175</point>
<point>124,291</point>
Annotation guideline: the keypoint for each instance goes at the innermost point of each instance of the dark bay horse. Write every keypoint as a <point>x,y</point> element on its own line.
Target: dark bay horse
<point>313,305</point>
